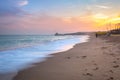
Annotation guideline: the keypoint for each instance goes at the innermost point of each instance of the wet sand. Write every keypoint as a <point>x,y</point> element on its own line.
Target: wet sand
<point>98,59</point>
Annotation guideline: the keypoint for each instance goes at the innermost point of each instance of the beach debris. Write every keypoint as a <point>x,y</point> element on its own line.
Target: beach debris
<point>116,66</point>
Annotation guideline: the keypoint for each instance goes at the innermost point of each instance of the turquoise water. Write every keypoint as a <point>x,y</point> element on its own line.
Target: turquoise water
<point>17,41</point>
<point>19,52</point>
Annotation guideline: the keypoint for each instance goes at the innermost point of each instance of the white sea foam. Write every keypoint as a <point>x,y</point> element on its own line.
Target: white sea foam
<point>13,60</point>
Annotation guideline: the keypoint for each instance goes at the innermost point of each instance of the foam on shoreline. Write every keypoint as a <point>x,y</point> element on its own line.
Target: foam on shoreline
<point>17,59</point>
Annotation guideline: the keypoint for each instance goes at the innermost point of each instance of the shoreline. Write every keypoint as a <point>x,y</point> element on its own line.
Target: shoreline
<point>93,60</point>
<point>10,75</point>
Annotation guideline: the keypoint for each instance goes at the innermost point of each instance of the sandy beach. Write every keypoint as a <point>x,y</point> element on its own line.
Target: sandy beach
<point>98,59</point>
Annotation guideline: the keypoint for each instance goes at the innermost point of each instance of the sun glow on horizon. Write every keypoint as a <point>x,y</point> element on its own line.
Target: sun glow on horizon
<point>99,20</point>
<point>100,16</point>
<point>104,21</point>
<point>50,16</point>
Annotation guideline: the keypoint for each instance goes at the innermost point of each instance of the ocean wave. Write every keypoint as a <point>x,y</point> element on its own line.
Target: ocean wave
<point>16,59</point>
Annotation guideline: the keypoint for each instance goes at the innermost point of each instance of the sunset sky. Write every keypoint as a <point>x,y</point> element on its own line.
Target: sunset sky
<point>51,16</point>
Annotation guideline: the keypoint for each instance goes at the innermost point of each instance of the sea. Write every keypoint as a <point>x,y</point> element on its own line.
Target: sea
<point>18,52</point>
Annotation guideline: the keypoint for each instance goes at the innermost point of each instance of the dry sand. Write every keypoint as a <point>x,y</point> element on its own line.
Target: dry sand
<point>98,59</point>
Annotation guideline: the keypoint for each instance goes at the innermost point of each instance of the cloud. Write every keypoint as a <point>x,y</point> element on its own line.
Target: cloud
<point>23,2</point>
<point>103,7</point>
<point>43,24</point>
<point>12,7</point>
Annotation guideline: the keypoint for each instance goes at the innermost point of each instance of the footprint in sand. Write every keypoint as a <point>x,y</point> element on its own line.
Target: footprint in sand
<point>114,61</point>
<point>104,47</point>
<point>88,74</point>
<point>68,57</point>
<point>96,68</point>
<point>111,71</point>
<point>83,57</point>
<point>116,66</point>
<point>95,64</point>
<point>118,58</point>
<point>112,54</point>
<point>110,78</point>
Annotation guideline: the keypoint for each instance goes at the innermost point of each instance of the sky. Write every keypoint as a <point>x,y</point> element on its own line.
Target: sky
<point>51,16</point>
